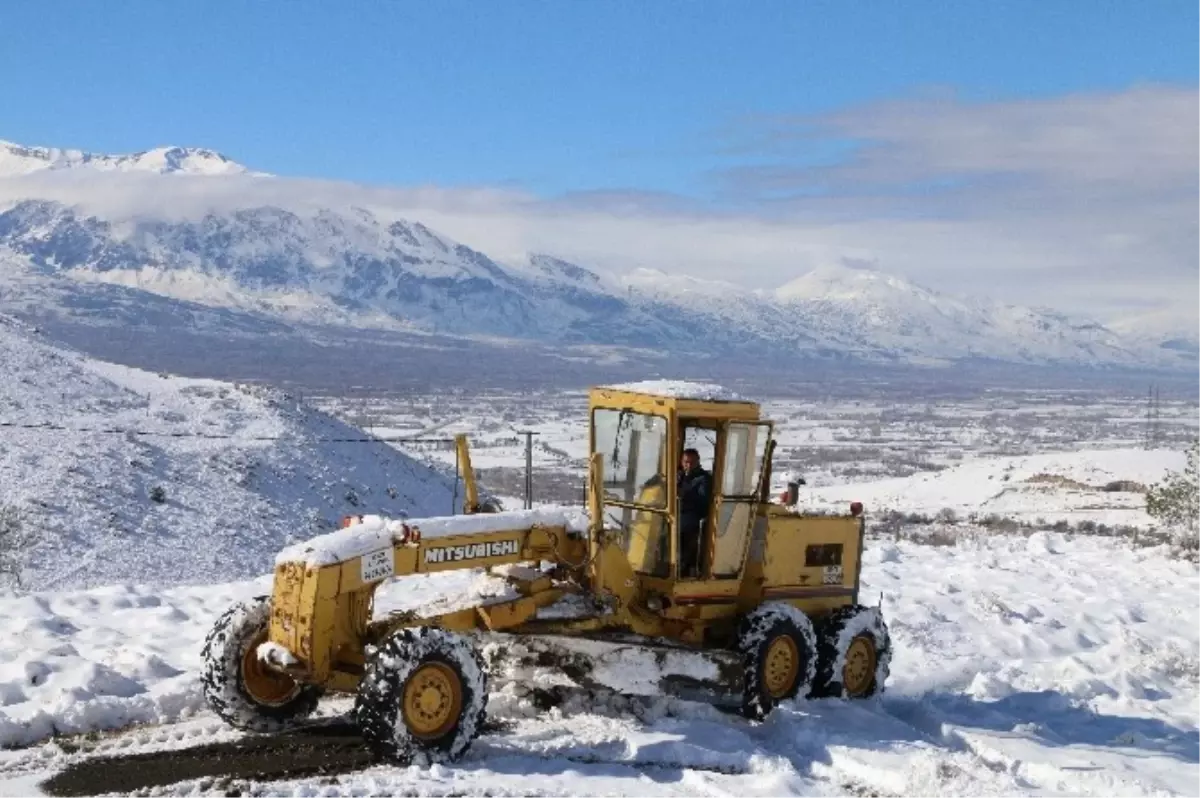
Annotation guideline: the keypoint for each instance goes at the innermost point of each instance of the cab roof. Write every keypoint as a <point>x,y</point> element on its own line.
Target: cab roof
<point>687,399</point>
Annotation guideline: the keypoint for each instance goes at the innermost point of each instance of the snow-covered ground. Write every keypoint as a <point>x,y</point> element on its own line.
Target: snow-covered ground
<point>1064,485</point>
<point>1040,665</point>
<point>239,471</point>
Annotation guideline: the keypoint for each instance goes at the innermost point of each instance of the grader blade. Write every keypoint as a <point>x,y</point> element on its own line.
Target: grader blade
<point>552,663</point>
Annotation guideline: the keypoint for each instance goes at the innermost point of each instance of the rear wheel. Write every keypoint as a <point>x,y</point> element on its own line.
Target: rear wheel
<point>238,687</point>
<point>778,647</point>
<point>423,696</point>
<point>855,652</point>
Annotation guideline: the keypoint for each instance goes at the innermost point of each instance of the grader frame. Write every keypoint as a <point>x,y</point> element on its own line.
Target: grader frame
<point>767,572</point>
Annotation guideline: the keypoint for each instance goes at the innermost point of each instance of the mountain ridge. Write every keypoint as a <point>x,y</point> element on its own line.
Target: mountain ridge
<point>340,263</point>
<point>18,159</point>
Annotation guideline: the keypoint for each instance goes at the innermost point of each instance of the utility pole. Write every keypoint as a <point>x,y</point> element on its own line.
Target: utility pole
<point>1153,417</point>
<point>1149,418</point>
<point>528,466</point>
<point>1157,430</point>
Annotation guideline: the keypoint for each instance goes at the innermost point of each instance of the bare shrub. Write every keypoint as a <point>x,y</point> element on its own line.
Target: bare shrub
<point>16,539</point>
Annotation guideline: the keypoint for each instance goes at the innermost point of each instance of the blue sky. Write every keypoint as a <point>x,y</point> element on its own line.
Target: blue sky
<point>548,97</point>
<point>1041,152</point>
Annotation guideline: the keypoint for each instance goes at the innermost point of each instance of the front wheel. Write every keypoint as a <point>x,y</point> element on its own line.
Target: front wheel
<point>240,689</point>
<point>423,696</point>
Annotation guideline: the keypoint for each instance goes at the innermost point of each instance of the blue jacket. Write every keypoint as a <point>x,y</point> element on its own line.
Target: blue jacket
<point>695,491</point>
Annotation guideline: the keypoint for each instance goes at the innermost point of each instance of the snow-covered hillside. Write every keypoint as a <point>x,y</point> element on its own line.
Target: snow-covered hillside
<point>16,159</point>
<point>1021,667</point>
<point>238,471</point>
<point>341,256</point>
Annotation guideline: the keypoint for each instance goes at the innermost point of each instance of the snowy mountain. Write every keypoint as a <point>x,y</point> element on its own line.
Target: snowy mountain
<point>329,260</point>
<point>1170,329</point>
<point>862,308</point>
<point>150,478</point>
<point>16,159</point>
<point>871,316</point>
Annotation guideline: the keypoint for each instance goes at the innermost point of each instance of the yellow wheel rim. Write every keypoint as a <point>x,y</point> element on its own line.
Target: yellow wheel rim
<point>264,685</point>
<point>780,666</point>
<point>432,700</point>
<point>859,671</point>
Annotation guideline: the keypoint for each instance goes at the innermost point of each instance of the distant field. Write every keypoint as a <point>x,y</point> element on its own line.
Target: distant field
<point>830,440</point>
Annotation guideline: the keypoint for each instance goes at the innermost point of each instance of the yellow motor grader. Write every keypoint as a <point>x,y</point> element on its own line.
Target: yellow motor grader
<point>769,611</point>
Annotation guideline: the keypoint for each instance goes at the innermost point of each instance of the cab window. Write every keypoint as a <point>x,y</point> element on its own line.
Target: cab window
<point>634,447</point>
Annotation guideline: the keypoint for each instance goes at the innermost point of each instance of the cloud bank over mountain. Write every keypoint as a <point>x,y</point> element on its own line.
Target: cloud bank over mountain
<point>1083,203</point>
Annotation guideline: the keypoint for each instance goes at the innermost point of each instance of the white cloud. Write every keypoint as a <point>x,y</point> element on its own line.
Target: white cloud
<point>1086,203</point>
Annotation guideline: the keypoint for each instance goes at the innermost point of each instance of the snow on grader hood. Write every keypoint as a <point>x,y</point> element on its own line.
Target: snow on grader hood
<point>763,608</point>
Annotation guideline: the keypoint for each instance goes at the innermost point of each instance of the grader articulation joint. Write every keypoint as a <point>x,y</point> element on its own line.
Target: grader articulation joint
<point>769,613</point>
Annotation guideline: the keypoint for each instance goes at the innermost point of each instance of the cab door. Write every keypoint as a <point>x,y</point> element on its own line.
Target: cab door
<point>743,460</point>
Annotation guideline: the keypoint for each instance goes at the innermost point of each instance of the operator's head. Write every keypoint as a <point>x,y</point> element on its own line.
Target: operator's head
<point>691,460</point>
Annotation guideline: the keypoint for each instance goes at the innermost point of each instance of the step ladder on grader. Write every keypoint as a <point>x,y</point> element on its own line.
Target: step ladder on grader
<point>599,599</point>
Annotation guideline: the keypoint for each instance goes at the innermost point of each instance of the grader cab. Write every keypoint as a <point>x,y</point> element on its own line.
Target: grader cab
<point>767,609</point>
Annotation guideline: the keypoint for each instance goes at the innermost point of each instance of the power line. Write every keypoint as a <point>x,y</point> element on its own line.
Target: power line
<point>211,435</point>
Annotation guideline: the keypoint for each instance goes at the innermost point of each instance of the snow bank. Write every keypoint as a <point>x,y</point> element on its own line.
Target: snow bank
<point>105,658</point>
<point>375,532</point>
<point>679,389</point>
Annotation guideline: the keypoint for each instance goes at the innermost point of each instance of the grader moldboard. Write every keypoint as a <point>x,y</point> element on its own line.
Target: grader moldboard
<point>600,599</point>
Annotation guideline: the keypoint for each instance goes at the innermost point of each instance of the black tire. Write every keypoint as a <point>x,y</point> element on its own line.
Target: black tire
<point>835,636</point>
<point>386,673</point>
<point>757,631</point>
<point>223,680</point>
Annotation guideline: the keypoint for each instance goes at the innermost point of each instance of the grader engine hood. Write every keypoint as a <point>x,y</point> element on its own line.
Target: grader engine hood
<point>323,587</point>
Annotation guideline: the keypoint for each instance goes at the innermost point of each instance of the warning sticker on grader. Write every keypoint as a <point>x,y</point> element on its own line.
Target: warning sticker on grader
<point>474,551</point>
<point>378,564</point>
<point>832,575</point>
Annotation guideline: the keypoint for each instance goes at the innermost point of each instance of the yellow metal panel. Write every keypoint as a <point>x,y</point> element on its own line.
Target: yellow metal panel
<point>286,629</point>
<point>551,543</point>
<point>815,608</point>
<point>460,621</point>
<point>343,682</point>
<point>406,560</point>
<point>463,452</point>
<point>672,406</point>
<point>624,400</point>
<point>733,411</point>
<point>646,533</point>
<point>512,613</point>
<point>527,587</point>
<point>788,538</point>
<point>683,591</point>
<point>305,607</point>
<point>733,521</point>
<point>750,586</point>
<point>611,573</point>
<point>319,617</point>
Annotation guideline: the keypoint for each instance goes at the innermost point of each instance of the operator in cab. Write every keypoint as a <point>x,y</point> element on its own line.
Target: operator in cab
<point>695,492</point>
